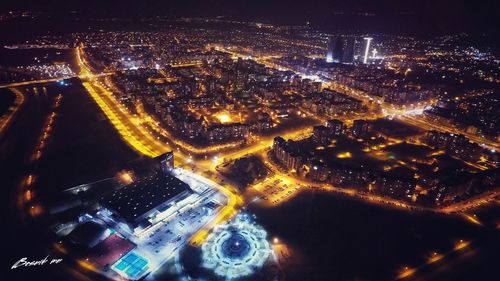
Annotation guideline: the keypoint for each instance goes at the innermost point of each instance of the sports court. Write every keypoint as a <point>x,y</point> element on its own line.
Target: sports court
<point>131,266</point>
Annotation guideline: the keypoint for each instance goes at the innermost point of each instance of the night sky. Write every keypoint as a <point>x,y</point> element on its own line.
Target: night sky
<point>433,17</point>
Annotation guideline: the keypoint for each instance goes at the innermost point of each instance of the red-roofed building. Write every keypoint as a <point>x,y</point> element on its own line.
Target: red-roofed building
<point>109,251</point>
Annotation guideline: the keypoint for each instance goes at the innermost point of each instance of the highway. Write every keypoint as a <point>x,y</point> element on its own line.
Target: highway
<point>6,119</point>
<point>49,80</point>
<point>32,82</point>
<point>428,125</point>
<point>388,109</point>
<point>227,151</point>
<point>135,130</point>
<point>152,123</point>
<point>129,128</point>
<point>136,137</point>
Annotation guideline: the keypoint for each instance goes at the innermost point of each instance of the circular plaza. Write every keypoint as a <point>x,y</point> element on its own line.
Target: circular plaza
<point>236,249</point>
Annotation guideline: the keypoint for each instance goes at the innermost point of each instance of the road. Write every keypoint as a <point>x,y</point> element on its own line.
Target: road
<point>428,125</point>
<point>276,195</point>
<point>143,142</point>
<point>131,128</point>
<point>7,118</point>
<point>405,113</point>
<point>32,82</point>
<point>49,80</point>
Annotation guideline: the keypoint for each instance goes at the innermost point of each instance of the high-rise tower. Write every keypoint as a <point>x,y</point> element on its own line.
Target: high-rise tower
<point>340,49</point>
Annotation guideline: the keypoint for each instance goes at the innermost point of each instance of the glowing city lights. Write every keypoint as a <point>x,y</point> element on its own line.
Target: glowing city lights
<point>367,48</point>
<point>223,118</point>
<point>236,249</point>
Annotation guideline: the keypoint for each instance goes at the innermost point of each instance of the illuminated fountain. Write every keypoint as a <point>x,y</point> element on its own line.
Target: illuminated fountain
<point>236,249</point>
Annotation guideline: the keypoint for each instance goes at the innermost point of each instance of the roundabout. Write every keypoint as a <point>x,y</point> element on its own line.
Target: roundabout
<point>236,249</point>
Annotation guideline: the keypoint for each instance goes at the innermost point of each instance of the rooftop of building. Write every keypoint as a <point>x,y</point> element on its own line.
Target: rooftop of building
<point>88,234</point>
<point>110,250</point>
<point>138,198</point>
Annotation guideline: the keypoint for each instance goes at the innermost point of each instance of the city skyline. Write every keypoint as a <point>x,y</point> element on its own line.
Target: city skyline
<point>413,17</point>
<point>249,140</point>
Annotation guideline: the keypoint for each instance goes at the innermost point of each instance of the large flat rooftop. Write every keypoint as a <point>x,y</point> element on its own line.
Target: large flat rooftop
<point>138,198</point>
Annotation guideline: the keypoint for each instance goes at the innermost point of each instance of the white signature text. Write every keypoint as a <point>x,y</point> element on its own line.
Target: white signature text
<point>24,262</point>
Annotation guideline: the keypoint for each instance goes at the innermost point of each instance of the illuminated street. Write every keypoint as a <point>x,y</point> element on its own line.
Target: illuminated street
<point>250,140</point>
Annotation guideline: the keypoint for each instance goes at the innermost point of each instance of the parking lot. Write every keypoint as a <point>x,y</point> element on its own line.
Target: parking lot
<point>274,190</point>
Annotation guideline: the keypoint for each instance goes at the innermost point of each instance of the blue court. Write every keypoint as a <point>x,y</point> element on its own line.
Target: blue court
<point>132,266</point>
